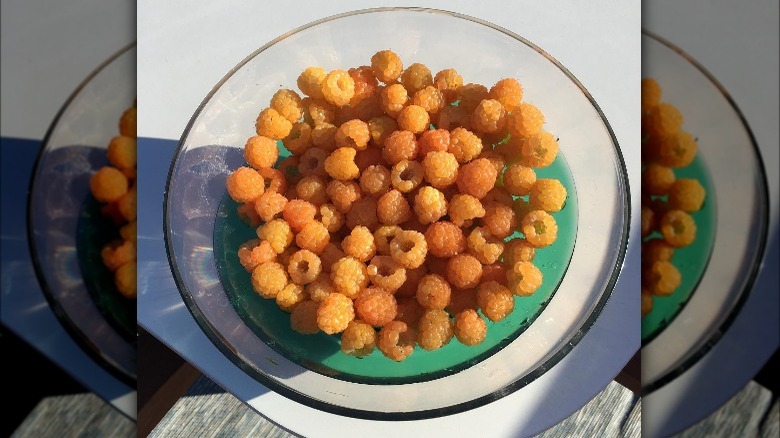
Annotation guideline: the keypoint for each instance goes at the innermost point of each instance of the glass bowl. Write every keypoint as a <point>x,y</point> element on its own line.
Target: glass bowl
<point>721,265</point>
<point>66,229</point>
<point>200,230</point>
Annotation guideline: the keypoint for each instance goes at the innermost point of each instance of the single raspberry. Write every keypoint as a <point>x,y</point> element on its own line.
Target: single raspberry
<point>358,339</point>
<point>243,185</point>
<point>484,246</point>
<point>359,244</point>
<point>507,91</point>
<point>278,233</point>
<point>434,330</point>
<point>678,228</point>
<point>524,278</point>
<point>519,179</point>
<point>393,99</point>
<point>686,195</point>
<point>383,236</point>
<point>125,279</point>
<point>400,145</point>
<point>269,279</point>
<point>354,134</point>
<point>496,159</point>
<point>254,253</point>
<point>330,255</point>
<point>271,124</point>
<point>127,122</point>
<point>320,288</point>
<point>661,278</point>
<point>651,95</point>
<point>397,340</point>
<point>664,120</point>
<point>313,236</point>
<point>525,120</point>
<point>445,239</point>
<point>539,150</point>
<point>464,144</point>
<point>122,152</point>
<point>303,318</point>
<point>441,169</point>
<point>413,277</point>
<point>335,313</point>
<point>127,204</point>
<point>324,136</point>
<point>270,205</point>
<point>429,205</point>
<point>376,306</point>
<point>430,99</point>
<point>539,228</point>
<point>416,77</point>
<point>349,276</point>
<point>407,175</point>
<point>465,208</point>
<point>317,112</point>
<point>273,179</point>
<point>290,296</point>
<point>386,66</point>
<point>657,179</point>
<point>365,84</point>
<point>489,116</point>
<point>310,81</point>
<point>288,104</point>
<point>118,253</point>
<point>477,178</point>
<point>448,81</point>
<point>518,250</point>
<point>380,128</point>
<point>677,150</point>
<point>413,118</point>
<point>495,301</point>
<point>470,328</point>
<point>129,231</point>
<point>363,212</point>
<point>331,217</point>
<point>312,189</point>
<point>340,164</point>
<point>343,194</point>
<point>464,271</point>
<point>470,95</point>
<point>299,138</point>
<point>261,152</point>
<point>375,180</point>
<point>500,220</point>
<point>386,273</point>
<point>304,267</point>
<point>433,292</point>
<point>312,162</point>
<point>434,140</point>
<point>656,250</point>
<point>548,194</point>
<point>338,88</point>
<point>494,272</point>
<point>392,208</point>
<point>409,249</point>
<point>298,213</point>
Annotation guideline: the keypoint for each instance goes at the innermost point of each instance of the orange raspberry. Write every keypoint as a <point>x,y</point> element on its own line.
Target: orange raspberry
<point>123,152</point>
<point>376,306</point>
<point>435,329</point>
<point>331,217</point>
<point>363,212</point>
<point>651,95</point>
<point>540,150</point>
<point>380,128</point>
<point>397,340</point>
<point>354,134</point>
<point>359,244</point>
<point>433,140</point>
<point>485,247</point>
<point>127,123</point>
<point>656,250</point>
<point>386,273</point>
<point>304,267</point>
<point>335,313</point>
<point>311,80</point>
<point>400,145</point>
<point>383,236</point>
<point>303,318</point>
<point>313,236</point>
<point>548,194</point>
<point>298,213</point>
<point>433,292</point>
<point>386,66</point>
<point>519,179</point>
<point>271,124</point>
<point>477,178</point>
<point>524,278</point>
<point>343,194</point>
<point>358,339</point>
<point>686,195</point>
<point>375,180</point>
<point>416,77</point>
<point>500,220</point>
<point>677,150</point>
<point>317,112</point>
<point>470,328</point>
<point>539,228</point>
<point>340,164</point>
<point>445,239</point>
<point>409,249</point>
<point>261,152</point>
<point>448,81</point>
<point>268,279</point>
<point>464,208</point>
<point>243,185</point>
<point>441,169</point>
<point>657,179</point>
<point>324,136</point>
<point>349,276</point>
<point>312,162</point>
<point>338,88</point>
<point>393,99</point>
<point>489,116</point>
<point>278,233</point>
<point>392,208</point>
<point>413,118</point>
<point>495,300</point>
<point>254,253</point>
<point>664,120</point>
<point>117,253</point>
<point>290,296</point>
<point>365,83</point>
<point>429,205</point>
<point>464,271</point>
<point>320,288</point>
<point>525,120</point>
<point>465,145</point>
<point>470,95</point>
<point>407,175</point>
<point>678,228</point>
<point>661,278</point>
<point>507,91</point>
<point>430,99</point>
<point>270,205</point>
<point>288,104</point>
<point>518,250</point>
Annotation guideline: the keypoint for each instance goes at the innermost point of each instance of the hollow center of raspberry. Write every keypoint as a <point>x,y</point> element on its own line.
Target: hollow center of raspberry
<point>406,245</point>
<point>678,227</point>
<point>303,266</point>
<point>540,227</point>
<point>407,174</point>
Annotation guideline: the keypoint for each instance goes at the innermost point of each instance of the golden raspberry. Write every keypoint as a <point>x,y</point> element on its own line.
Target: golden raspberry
<point>477,178</point>
<point>343,194</point>
<point>340,164</point>
<point>365,83</point>
<point>380,128</point>
<point>320,288</point>
<point>416,77</point>
<point>261,152</point>
<point>409,249</point>
<point>445,239</point>
<point>312,189</point>
<point>441,169</point>
<point>461,300</point>
<point>651,95</point>
<point>269,279</point>
<point>376,306</point>
<point>317,112</point>
<point>678,228</point>
<point>122,152</point>
<point>489,116</point>
<point>448,81</point>
<point>253,253</point>
<point>495,301</point>
<point>485,247</point>
<point>324,136</point>
<point>526,120</point>
<point>407,175</point>
<point>127,123</point>
<point>335,313</point>
<point>359,244</point>
<point>661,278</point>
<point>518,250</point>
<point>304,267</point>
<point>331,217</point>
<point>465,145</point>
<point>338,88</point>
<point>539,150</point>
<point>383,236</point>
<point>470,328</point>
<point>270,205</point>
<point>664,120</point>
<point>464,208</point>
<point>386,273</point>
<point>125,279</point>
<point>392,208</point>
<point>354,134</point>
<point>548,194</point>
<point>311,80</point>
<point>288,104</point>
<point>470,95</point>
<point>313,236</point>
<point>539,228</point>
<point>298,213</point>
<point>278,233</point>
<point>429,205</point>
<point>430,99</point>
<point>349,276</point>
<point>109,184</point>
<point>397,340</point>
<point>312,162</point>
<point>363,212</point>
<point>433,292</point>
<point>386,66</point>
<point>303,318</point>
<point>524,278</point>
<point>393,99</point>
<point>500,220</point>
<point>400,145</point>
<point>677,150</point>
<point>464,271</point>
<point>375,180</point>
<point>272,124</point>
<point>508,92</point>
<point>657,179</point>
<point>290,296</point>
<point>656,250</point>
<point>358,339</point>
<point>433,140</point>
<point>451,117</point>
<point>299,138</point>
<point>413,118</point>
<point>435,329</point>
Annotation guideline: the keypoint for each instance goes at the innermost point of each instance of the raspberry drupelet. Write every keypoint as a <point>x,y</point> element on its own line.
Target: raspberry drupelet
<point>243,185</point>
<point>358,339</point>
<point>508,92</point>
<point>290,296</point>
<point>271,124</point>
<point>363,212</point>
<point>470,328</point>
<point>464,271</point>
<point>547,194</point>
<point>335,313</point>
<point>441,169</point>
<point>464,144</point>
<point>477,178</point>
<point>277,233</point>
<point>464,208</point>
<point>298,213</point>
<point>678,228</point>
<point>539,228</point>
<point>445,239</point>
<point>430,205</point>
<point>484,246</point>
<point>338,88</point>
<point>310,81</point>
<point>434,330</point>
<point>393,99</point>
<point>397,340</point>
<point>525,120</point>
<point>268,279</point>
<point>349,276</point>
<point>386,66</point>
<point>524,278</point>
<point>407,175</point>
<point>375,180</point>
<point>495,300</point>
<point>376,306</point>
<point>340,164</point>
<point>304,267</point>
<point>386,273</point>
<point>354,134</point>
<point>313,236</point>
<point>489,116</point>
<point>400,145</point>
<point>433,292</point>
<point>303,318</point>
<point>288,104</point>
<point>413,118</point>
<point>392,208</point>
<point>343,194</point>
<point>312,189</point>
<point>409,249</point>
<point>359,244</point>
